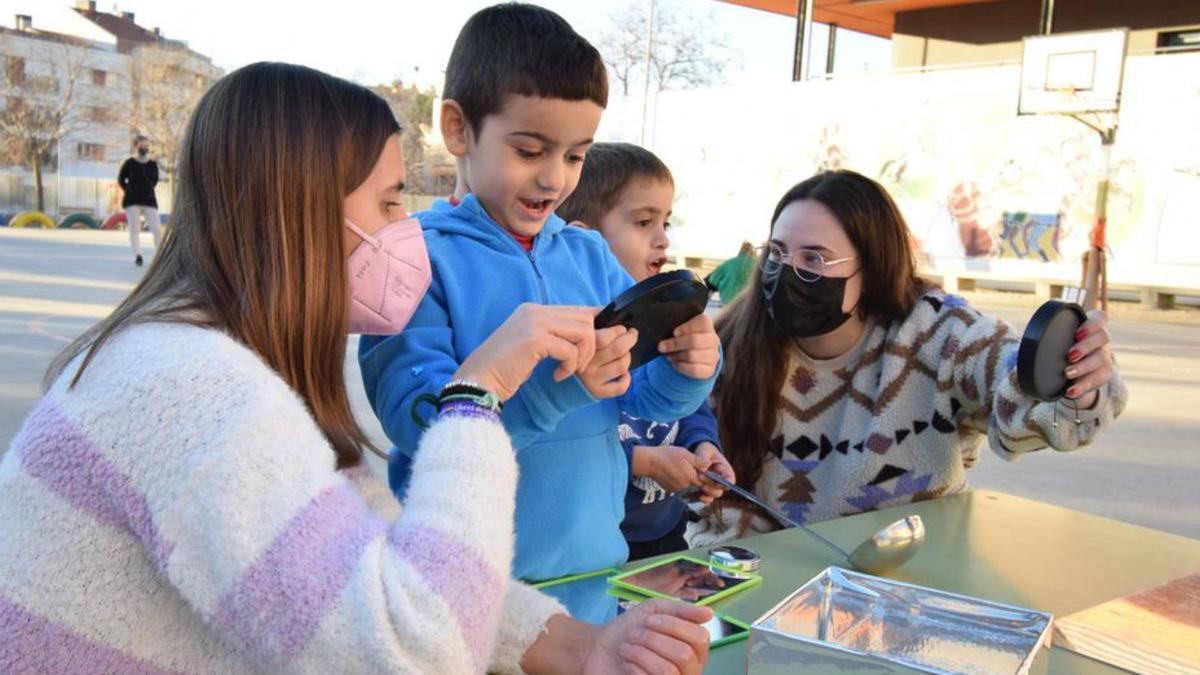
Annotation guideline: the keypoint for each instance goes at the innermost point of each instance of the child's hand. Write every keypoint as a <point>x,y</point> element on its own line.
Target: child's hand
<point>672,467</point>
<point>534,332</point>
<point>709,458</point>
<point>607,375</point>
<point>695,350</point>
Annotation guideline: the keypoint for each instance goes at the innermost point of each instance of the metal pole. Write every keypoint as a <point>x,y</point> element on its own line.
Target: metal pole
<point>58,181</point>
<point>803,39</point>
<point>831,49</point>
<point>1094,270</point>
<point>1046,22</point>
<point>649,60</point>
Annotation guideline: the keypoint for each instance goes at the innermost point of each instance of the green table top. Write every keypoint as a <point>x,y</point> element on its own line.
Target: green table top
<point>985,544</point>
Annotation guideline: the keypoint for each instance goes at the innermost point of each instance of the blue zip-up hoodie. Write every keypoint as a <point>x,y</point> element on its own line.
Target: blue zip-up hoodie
<point>651,512</point>
<point>573,471</point>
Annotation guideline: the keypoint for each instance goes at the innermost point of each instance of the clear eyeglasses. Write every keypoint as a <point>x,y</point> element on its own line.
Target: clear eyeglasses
<point>809,264</point>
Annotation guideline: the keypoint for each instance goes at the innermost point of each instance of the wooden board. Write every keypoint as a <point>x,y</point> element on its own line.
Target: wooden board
<point>1152,631</point>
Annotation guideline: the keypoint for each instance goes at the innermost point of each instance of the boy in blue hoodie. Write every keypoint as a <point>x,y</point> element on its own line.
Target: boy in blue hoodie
<point>522,100</point>
<point>625,193</point>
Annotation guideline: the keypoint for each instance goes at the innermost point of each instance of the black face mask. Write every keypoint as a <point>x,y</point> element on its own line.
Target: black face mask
<point>142,152</point>
<point>801,308</point>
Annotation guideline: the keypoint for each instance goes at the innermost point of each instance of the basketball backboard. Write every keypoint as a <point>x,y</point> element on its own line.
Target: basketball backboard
<point>1072,73</point>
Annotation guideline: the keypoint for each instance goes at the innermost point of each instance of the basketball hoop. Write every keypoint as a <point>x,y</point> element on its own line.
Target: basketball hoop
<point>1078,74</point>
<point>1066,94</point>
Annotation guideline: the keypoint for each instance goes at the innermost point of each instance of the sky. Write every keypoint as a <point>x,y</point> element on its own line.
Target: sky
<point>377,42</point>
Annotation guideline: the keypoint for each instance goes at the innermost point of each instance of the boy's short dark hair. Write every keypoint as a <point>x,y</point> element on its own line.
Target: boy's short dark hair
<point>607,169</point>
<point>514,48</point>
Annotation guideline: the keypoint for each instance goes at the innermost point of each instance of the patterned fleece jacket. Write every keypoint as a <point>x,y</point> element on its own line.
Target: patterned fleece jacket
<point>179,511</point>
<point>900,418</point>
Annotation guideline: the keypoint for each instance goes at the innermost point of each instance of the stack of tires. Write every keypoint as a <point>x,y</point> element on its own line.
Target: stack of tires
<point>79,221</point>
<point>73,221</point>
<point>32,219</point>
<point>115,222</point>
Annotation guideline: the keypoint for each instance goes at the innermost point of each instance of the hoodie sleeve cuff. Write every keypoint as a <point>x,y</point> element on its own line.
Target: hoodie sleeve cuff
<point>663,378</point>
<point>546,402</point>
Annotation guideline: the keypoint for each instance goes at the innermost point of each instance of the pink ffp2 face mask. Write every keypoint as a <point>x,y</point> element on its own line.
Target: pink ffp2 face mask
<point>389,274</point>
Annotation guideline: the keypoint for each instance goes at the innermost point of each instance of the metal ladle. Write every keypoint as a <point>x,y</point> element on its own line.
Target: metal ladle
<point>886,550</point>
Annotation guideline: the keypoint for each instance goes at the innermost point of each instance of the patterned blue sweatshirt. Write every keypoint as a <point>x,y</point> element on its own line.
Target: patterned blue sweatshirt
<point>650,511</point>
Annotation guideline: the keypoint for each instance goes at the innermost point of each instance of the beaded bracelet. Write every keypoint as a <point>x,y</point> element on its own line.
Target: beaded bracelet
<point>463,390</point>
<point>460,398</point>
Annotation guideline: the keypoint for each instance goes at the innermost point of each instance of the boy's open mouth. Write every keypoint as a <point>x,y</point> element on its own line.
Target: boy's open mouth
<point>656,265</point>
<point>537,208</point>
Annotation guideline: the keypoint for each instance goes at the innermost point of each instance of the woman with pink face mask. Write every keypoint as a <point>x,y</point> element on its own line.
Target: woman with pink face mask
<point>230,525</point>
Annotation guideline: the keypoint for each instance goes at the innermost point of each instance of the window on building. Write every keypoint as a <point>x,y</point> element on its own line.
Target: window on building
<point>99,78</point>
<point>90,151</point>
<point>42,84</point>
<point>1179,40</point>
<point>99,115</point>
<point>16,70</point>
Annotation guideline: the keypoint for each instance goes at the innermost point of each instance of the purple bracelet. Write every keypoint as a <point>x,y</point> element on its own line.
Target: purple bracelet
<point>468,409</point>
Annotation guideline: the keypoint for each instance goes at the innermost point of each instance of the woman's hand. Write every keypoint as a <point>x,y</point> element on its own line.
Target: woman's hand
<point>534,332</point>
<point>1090,360</point>
<point>656,636</point>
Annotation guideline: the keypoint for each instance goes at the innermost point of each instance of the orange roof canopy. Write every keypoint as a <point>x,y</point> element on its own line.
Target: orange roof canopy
<point>877,17</point>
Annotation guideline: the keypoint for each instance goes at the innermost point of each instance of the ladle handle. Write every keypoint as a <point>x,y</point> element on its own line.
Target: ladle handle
<point>777,515</point>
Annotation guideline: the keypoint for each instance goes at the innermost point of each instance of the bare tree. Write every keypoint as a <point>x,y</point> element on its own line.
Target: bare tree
<point>413,106</point>
<point>685,50</point>
<point>624,45</point>
<point>40,106</point>
<point>166,83</point>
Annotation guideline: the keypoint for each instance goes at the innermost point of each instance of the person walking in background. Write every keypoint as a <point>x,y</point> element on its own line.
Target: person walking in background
<point>730,276</point>
<point>138,176</point>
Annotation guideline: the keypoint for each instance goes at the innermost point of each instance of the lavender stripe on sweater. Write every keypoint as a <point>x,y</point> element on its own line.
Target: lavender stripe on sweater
<point>31,644</point>
<point>460,577</point>
<point>313,557</point>
<point>53,451</point>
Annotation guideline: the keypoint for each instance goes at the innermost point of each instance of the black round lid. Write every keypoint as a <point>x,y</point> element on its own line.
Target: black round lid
<point>1042,356</point>
<point>655,307</point>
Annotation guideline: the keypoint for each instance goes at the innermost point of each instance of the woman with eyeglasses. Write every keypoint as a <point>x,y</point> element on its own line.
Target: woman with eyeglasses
<point>852,385</point>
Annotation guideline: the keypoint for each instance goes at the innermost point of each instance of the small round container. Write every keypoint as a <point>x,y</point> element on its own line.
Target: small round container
<point>741,559</point>
<point>1042,356</point>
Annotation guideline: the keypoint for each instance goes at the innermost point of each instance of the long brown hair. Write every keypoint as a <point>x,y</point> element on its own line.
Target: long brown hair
<point>751,382</point>
<point>256,247</point>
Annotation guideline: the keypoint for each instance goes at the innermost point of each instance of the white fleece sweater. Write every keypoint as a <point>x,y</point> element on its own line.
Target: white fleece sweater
<point>180,511</point>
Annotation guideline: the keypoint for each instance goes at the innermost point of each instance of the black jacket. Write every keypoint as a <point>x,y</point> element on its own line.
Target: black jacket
<point>137,180</point>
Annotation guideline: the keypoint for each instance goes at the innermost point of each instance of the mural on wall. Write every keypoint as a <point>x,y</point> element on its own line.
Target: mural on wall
<point>979,186</point>
<point>1030,236</point>
<point>964,208</point>
<point>829,156</point>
